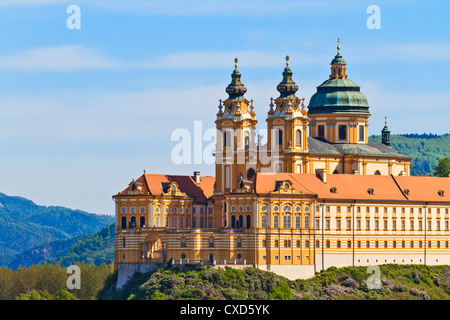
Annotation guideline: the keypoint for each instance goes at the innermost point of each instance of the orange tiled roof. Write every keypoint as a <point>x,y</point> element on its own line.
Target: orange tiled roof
<point>201,192</point>
<point>425,188</point>
<point>356,187</point>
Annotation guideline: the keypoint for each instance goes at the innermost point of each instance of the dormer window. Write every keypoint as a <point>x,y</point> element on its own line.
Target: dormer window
<point>441,193</point>
<point>133,187</point>
<point>406,192</point>
<point>333,190</point>
<point>370,191</point>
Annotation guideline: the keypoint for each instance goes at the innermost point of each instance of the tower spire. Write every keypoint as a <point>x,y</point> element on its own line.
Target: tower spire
<point>236,88</point>
<point>386,134</point>
<point>287,87</point>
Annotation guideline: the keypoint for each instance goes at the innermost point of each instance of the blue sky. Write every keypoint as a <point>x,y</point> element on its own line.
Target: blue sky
<point>82,112</point>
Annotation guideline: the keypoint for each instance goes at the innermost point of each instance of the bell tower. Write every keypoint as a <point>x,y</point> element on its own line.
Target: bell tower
<point>236,149</point>
<point>287,127</point>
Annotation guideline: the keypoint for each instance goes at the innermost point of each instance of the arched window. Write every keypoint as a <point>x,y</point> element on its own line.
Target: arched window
<point>298,138</point>
<point>306,222</point>
<point>247,139</point>
<point>298,222</point>
<point>241,221</point>
<point>238,242</point>
<point>133,222</point>
<point>263,221</point>
<point>166,222</point>
<point>275,221</point>
<point>174,222</point>
<point>377,173</point>
<point>286,221</point>
<point>183,242</point>
<point>142,222</point>
<point>157,222</point>
<point>248,222</point>
<point>124,223</point>
<point>250,173</point>
<point>233,221</point>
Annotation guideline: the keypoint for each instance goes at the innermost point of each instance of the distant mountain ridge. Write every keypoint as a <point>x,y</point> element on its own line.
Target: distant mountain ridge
<point>24,225</point>
<point>424,149</point>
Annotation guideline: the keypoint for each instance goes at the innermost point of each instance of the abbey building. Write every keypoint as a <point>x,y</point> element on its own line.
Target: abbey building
<point>316,195</point>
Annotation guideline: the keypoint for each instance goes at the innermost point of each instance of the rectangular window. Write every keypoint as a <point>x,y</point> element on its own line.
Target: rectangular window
<point>342,132</point>
<point>349,244</point>
<point>327,224</point>
<point>338,244</point>
<point>306,244</point>
<point>321,131</point>
<point>338,224</point>
<point>276,243</point>
<point>348,224</point>
<point>367,224</point>
<point>328,243</point>
<point>264,243</point>
<point>367,244</point>
<point>361,133</point>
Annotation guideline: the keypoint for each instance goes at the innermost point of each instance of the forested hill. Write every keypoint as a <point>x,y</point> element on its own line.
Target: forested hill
<point>424,149</point>
<point>24,224</point>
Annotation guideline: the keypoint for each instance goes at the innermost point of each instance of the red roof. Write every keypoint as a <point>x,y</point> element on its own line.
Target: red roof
<point>153,184</point>
<point>345,186</point>
<point>356,187</point>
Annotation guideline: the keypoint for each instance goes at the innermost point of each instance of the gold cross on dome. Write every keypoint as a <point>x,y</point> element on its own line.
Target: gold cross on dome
<point>338,47</point>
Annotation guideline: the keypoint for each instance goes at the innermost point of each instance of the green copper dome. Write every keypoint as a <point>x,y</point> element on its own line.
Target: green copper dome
<point>338,60</point>
<point>338,96</point>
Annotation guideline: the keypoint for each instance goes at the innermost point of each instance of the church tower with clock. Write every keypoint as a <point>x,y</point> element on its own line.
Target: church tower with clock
<point>236,149</point>
<point>287,128</point>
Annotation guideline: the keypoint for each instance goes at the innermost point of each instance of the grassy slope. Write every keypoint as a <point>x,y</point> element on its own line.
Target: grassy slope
<point>398,282</point>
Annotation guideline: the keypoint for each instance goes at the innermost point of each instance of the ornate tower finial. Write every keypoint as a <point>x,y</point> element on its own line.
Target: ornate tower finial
<point>287,61</point>
<point>236,88</point>
<point>386,134</point>
<point>338,46</point>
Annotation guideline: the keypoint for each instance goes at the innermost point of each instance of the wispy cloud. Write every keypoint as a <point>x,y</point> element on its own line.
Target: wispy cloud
<point>78,57</point>
<point>63,58</point>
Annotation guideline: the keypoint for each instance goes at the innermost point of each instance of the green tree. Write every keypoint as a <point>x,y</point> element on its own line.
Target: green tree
<point>443,167</point>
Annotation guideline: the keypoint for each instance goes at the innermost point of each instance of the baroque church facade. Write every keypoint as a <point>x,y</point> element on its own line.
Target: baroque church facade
<point>316,195</point>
